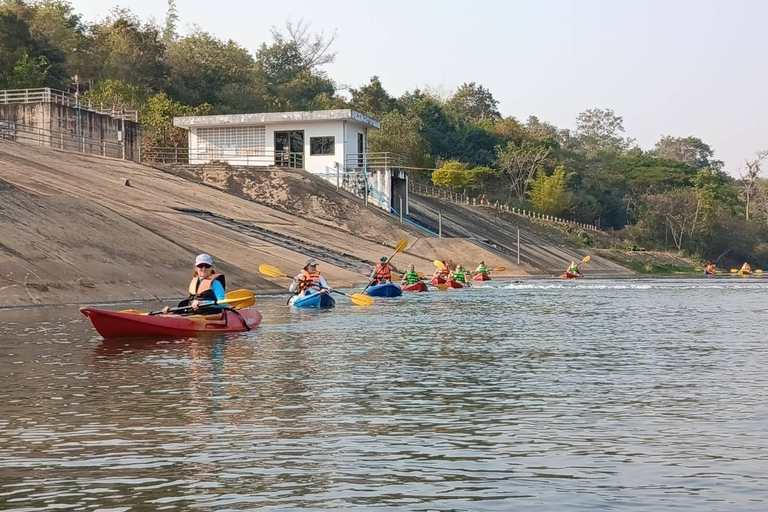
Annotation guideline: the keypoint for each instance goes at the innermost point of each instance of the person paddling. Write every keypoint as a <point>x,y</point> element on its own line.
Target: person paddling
<point>481,269</point>
<point>309,281</point>
<point>574,269</point>
<point>442,272</point>
<point>746,268</point>
<point>206,286</point>
<point>710,270</point>
<point>411,276</point>
<point>382,273</point>
<point>459,275</point>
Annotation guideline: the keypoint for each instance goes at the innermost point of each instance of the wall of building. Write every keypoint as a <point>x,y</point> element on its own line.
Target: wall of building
<point>72,129</point>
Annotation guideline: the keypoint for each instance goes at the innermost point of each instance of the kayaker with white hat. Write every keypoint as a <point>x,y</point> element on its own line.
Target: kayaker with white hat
<point>206,286</point>
<point>309,280</point>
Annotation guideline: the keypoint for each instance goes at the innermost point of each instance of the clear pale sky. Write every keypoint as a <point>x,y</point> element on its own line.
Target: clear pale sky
<point>668,67</point>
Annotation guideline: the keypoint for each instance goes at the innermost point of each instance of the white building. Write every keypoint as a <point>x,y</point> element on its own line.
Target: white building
<point>329,143</point>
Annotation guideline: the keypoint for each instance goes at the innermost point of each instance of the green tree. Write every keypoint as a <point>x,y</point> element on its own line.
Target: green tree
<point>548,194</point>
<point>204,69</point>
<point>156,118</point>
<point>130,51</point>
<point>400,134</point>
<point>371,99</point>
<point>473,103</point>
<point>689,150</point>
<point>518,165</point>
<point>29,73</point>
<point>601,130</point>
<point>451,174</point>
<point>115,93</point>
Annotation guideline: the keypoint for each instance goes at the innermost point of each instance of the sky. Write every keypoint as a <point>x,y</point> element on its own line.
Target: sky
<point>671,67</point>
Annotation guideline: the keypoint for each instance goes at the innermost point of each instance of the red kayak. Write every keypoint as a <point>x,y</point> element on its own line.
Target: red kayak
<point>438,280</point>
<point>454,285</point>
<point>415,287</point>
<point>569,275</point>
<point>481,277</point>
<point>114,324</point>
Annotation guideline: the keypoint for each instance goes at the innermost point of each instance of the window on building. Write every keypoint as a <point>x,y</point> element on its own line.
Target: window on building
<point>322,145</point>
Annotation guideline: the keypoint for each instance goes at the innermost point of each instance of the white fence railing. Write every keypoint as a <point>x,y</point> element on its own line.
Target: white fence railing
<point>48,95</point>
<point>464,199</point>
<point>66,141</point>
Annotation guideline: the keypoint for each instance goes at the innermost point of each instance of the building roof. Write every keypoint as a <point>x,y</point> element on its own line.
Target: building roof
<point>274,118</point>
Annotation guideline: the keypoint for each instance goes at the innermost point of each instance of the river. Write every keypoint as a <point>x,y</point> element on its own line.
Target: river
<point>639,394</point>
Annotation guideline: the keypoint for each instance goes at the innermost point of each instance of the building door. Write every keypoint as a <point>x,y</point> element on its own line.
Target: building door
<point>289,149</point>
<point>360,150</point>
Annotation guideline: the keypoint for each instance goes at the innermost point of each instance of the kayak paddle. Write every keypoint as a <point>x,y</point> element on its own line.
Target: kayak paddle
<point>357,298</point>
<point>238,299</point>
<point>400,247</point>
<point>439,264</point>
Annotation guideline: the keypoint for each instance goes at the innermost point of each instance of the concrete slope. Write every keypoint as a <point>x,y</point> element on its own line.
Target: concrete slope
<point>494,233</point>
<point>73,232</point>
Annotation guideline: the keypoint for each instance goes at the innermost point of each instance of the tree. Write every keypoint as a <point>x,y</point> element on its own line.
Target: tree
<point>171,20</point>
<point>518,165</point>
<point>452,174</point>
<point>115,93</point>
<point>749,179</point>
<point>689,150</point>
<point>473,103</point>
<point>29,73</point>
<point>291,67</point>
<point>156,118</point>
<point>601,130</point>
<point>481,179</point>
<point>400,134</point>
<point>204,69</point>
<point>130,51</point>
<point>371,99</point>
<point>680,210</point>
<point>548,193</point>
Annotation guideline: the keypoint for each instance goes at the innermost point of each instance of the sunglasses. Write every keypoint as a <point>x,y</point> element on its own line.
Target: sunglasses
<point>203,265</point>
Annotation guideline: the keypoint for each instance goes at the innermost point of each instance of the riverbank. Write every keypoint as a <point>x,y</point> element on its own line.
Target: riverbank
<point>88,229</point>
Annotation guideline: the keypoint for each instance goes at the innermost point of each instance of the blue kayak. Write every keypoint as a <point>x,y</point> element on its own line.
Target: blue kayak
<point>313,300</point>
<point>384,290</point>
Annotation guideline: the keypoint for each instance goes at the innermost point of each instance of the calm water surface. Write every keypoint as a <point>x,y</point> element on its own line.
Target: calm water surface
<point>541,395</point>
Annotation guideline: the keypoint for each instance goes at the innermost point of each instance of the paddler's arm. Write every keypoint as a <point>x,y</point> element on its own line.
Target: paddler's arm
<point>324,284</point>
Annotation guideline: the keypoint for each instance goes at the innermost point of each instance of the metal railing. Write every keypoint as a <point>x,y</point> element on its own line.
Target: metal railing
<point>48,95</point>
<point>382,160</point>
<point>63,140</point>
<point>464,199</point>
<point>232,156</point>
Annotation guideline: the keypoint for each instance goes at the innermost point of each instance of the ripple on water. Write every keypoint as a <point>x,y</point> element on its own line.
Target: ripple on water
<point>548,395</point>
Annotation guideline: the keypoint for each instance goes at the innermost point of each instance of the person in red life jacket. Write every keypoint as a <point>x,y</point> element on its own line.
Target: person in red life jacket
<point>442,272</point>
<point>309,281</point>
<point>206,286</point>
<point>382,273</point>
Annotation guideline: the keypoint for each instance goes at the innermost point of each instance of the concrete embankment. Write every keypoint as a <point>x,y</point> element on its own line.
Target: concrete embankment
<point>74,232</point>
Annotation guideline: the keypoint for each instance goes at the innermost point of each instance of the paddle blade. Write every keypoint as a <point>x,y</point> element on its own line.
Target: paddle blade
<point>734,270</point>
<point>439,264</point>
<point>270,271</point>
<point>361,300</point>
<point>239,299</point>
<point>586,259</point>
<point>758,271</point>
<point>500,269</point>
<point>421,275</point>
<point>401,245</point>
<point>441,287</point>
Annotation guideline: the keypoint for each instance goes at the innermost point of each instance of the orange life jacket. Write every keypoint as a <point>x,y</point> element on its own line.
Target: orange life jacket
<point>201,288</point>
<point>445,271</point>
<point>309,280</point>
<point>710,269</point>
<point>383,272</point>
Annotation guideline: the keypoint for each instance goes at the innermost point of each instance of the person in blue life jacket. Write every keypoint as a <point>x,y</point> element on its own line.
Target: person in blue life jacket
<point>206,286</point>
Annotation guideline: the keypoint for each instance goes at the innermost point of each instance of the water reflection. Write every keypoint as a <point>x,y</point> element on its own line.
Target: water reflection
<point>540,395</point>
